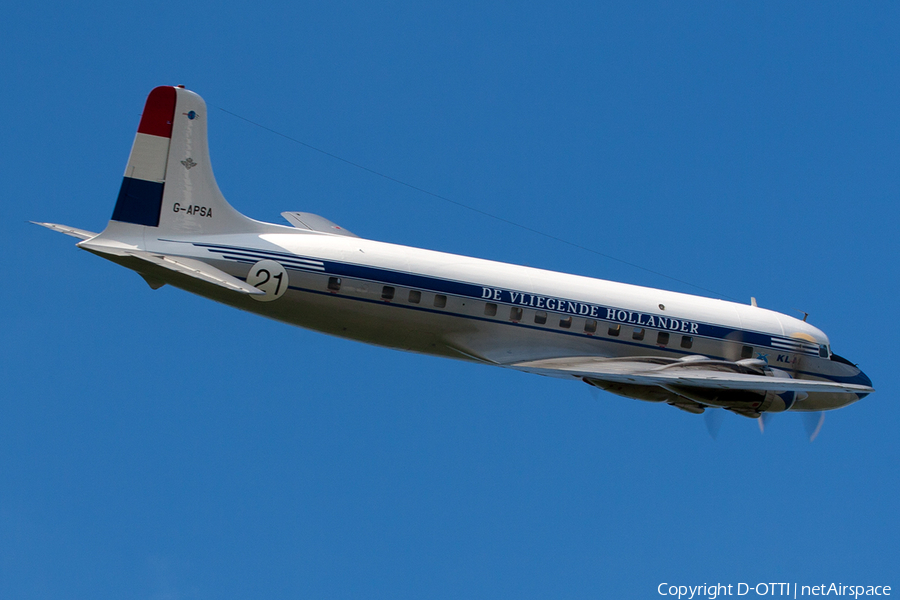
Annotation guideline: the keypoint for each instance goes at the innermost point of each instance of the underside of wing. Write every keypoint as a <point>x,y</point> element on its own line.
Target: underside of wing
<point>692,372</point>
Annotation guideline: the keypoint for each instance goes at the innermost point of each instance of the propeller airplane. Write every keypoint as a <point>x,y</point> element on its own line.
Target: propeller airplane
<point>172,225</point>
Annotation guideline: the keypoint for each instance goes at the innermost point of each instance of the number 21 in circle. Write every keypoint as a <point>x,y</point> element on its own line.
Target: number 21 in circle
<point>270,277</point>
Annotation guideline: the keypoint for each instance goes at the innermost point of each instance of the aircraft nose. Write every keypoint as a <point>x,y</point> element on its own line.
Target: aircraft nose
<point>856,374</point>
<point>861,379</point>
<point>864,379</point>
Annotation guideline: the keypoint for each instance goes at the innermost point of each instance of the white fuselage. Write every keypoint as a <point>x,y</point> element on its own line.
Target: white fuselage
<point>468,308</point>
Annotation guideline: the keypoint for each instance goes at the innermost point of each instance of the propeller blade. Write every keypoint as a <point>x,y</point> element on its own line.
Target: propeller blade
<point>813,422</point>
<point>763,420</point>
<point>713,419</point>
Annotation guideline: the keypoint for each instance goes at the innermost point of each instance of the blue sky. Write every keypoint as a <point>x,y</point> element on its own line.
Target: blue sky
<point>156,445</point>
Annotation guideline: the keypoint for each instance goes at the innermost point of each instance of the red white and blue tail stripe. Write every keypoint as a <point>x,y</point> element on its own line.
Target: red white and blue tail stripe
<point>141,194</point>
<point>169,183</point>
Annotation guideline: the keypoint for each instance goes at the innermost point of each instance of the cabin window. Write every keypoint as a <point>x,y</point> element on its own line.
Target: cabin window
<point>515,313</point>
<point>638,333</point>
<point>687,341</point>
<point>662,338</point>
<point>590,326</point>
<point>747,352</point>
<point>490,309</point>
<point>614,330</point>
<point>565,323</point>
<point>334,284</point>
<point>387,293</point>
<point>415,296</point>
<point>440,300</point>
<point>540,317</point>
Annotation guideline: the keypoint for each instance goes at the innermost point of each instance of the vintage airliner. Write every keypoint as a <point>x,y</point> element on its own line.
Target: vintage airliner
<point>172,225</point>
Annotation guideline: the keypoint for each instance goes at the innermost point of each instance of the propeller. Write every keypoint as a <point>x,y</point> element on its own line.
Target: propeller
<point>813,422</point>
<point>713,419</point>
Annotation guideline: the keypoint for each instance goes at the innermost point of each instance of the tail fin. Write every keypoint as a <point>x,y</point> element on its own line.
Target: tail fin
<point>169,182</point>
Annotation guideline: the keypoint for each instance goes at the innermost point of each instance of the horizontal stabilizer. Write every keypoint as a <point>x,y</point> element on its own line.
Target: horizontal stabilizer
<point>74,232</point>
<point>311,222</point>
<point>691,374</point>
<point>186,266</point>
<point>200,270</point>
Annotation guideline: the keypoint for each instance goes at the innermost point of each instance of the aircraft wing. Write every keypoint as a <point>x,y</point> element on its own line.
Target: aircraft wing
<point>697,373</point>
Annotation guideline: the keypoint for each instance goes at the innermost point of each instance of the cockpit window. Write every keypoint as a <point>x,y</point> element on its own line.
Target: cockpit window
<point>823,351</point>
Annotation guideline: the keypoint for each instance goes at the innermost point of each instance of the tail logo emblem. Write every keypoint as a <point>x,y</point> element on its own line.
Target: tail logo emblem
<point>188,163</point>
<point>190,115</point>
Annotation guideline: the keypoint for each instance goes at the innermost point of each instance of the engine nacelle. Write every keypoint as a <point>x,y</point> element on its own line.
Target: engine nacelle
<point>745,402</point>
<point>779,401</point>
